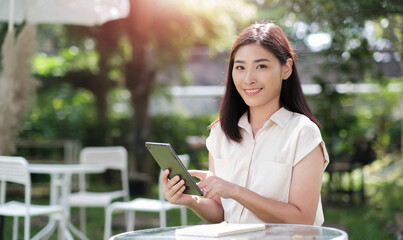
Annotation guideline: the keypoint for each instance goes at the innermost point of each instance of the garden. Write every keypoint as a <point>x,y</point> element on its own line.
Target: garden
<point>95,86</point>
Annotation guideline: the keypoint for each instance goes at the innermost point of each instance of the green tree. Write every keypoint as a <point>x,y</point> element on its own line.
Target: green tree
<point>156,38</point>
<point>360,31</point>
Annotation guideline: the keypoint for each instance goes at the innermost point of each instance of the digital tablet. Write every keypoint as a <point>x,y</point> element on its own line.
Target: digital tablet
<point>166,157</point>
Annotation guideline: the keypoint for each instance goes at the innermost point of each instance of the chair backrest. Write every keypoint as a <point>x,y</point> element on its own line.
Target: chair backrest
<point>15,170</point>
<point>113,157</point>
<point>185,160</point>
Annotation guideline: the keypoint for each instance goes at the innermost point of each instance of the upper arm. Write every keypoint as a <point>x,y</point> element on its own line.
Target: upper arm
<point>306,182</point>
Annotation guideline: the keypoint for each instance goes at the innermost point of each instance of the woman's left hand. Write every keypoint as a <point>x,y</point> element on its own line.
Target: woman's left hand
<point>211,185</point>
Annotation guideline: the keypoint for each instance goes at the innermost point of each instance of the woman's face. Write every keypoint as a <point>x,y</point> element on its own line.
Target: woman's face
<point>258,76</point>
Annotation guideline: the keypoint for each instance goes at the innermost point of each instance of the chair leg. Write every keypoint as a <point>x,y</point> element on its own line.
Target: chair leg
<point>83,221</point>
<point>77,232</point>
<point>108,222</point>
<point>163,218</point>
<point>27,224</point>
<point>62,227</point>
<point>184,219</point>
<point>15,228</point>
<point>131,221</point>
<point>130,218</point>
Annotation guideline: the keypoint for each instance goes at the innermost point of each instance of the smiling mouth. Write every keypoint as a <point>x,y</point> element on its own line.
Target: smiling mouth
<point>251,92</point>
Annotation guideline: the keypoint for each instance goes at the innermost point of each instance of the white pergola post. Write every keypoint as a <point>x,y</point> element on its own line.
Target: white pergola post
<point>11,16</point>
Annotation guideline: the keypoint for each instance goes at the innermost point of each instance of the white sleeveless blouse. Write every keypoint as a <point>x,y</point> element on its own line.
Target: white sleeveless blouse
<point>264,164</point>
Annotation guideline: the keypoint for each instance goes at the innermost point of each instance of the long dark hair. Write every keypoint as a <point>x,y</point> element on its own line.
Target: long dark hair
<point>272,38</point>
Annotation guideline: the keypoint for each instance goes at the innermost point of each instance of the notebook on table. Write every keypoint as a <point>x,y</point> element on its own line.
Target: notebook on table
<point>219,230</point>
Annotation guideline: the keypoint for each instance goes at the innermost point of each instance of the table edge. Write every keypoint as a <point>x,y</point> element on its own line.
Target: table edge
<point>344,234</point>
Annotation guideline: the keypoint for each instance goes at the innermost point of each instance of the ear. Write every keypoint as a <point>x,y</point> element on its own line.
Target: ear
<point>287,69</point>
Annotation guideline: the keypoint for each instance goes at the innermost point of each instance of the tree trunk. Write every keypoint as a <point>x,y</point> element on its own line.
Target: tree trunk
<point>139,81</point>
<point>139,84</point>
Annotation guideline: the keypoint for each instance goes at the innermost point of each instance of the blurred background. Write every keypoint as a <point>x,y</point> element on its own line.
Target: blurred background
<point>158,75</point>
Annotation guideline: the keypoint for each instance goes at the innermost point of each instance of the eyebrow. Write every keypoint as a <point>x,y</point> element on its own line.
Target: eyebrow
<point>256,61</point>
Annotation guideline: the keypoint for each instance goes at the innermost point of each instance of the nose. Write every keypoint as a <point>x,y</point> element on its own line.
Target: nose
<point>250,77</point>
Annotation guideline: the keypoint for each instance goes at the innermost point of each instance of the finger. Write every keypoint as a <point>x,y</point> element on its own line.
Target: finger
<point>164,176</point>
<point>204,191</point>
<point>197,173</point>
<point>178,194</point>
<point>176,191</point>
<point>210,194</point>
<point>173,181</point>
<point>203,183</point>
<point>177,186</point>
<point>167,187</point>
<point>170,190</point>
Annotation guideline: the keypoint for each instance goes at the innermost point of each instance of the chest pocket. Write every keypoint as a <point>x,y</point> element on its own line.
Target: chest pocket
<point>272,180</point>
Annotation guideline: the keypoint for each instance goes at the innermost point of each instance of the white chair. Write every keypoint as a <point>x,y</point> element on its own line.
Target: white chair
<point>114,158</point>
<point>15,170</point>
<point>145,205</point>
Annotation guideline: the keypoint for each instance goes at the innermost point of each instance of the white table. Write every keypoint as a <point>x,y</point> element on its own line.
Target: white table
<point>60,188</point>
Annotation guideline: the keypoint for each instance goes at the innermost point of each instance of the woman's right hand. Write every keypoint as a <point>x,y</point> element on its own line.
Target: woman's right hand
<point>173,189</point>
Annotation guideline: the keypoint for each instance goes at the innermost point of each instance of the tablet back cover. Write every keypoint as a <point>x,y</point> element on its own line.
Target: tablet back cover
<point>166,157</point>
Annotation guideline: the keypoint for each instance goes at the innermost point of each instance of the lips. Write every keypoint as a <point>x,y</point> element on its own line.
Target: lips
<point>251,92</point>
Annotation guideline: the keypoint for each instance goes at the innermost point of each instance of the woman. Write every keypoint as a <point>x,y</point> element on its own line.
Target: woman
<point>266,153</point>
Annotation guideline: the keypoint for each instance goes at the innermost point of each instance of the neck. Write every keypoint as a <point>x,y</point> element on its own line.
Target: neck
<point>258,116</point>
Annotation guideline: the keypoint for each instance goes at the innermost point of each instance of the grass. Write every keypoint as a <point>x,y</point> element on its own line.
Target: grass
<point>357,222</point>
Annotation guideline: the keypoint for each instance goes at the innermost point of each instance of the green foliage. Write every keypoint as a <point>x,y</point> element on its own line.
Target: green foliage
<point>384,194</point>
<point>347,117</point>
<point>378,112</point>
<point>119,106</point>
<point>357,29</point>
<point>339,127</point>
<point>387,200</point>
<point>62,114</point>
<point>71,59</point>
<point>65,113</point>
<point>385,188</point>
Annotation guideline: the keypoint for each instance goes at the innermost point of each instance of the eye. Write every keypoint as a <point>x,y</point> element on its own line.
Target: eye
<point>239,67</point>
<point>261,66</point>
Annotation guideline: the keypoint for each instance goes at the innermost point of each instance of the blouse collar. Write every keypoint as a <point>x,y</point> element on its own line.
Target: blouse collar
<point>280,117</point>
